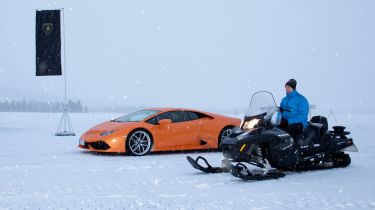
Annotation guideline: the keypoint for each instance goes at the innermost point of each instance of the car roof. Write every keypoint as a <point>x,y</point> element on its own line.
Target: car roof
<point>166,109</point>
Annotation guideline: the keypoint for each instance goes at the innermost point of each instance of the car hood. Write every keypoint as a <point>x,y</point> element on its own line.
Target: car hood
<point>108,126</point>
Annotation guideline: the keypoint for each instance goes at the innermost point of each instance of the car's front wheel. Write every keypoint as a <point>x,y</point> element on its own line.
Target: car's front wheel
<point>139,143</point>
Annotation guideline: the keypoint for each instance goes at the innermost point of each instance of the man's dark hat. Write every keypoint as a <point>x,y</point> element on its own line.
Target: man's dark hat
<point>291,83</point>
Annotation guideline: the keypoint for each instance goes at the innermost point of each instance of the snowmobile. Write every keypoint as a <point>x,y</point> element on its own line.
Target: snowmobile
<point>260,149</point>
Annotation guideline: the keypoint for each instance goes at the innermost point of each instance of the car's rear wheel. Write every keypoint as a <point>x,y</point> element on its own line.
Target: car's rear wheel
<point>224,133</point>
<point>139,143</point>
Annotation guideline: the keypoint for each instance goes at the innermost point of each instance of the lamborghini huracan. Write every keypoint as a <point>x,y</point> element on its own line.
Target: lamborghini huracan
<point>159,129</point>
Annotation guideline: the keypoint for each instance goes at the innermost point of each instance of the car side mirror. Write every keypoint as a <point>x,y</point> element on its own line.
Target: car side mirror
<point>165,122</point>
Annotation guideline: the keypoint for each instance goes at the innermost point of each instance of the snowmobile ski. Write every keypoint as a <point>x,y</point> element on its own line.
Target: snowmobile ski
<point>241,171</point>
<point>208,168</point>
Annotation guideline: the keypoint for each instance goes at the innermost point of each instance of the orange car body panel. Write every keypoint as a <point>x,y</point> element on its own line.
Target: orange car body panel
<point>175,136</point>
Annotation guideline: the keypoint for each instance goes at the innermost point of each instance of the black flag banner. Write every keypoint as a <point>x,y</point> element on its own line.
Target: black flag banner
<point>48,43</point>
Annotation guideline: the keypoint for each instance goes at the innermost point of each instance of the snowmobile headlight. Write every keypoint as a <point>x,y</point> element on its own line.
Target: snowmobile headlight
<point>249,125</point>
<point>107,133</point>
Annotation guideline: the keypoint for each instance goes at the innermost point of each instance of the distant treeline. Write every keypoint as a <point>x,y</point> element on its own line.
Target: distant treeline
<point>117,109</point>
<point>37,106</point>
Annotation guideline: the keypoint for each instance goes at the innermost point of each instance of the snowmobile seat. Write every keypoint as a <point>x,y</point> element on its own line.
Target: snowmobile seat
<point>317,126</point>
<point>321,123</point>
<point>308,135</point>
<point>313,130</point>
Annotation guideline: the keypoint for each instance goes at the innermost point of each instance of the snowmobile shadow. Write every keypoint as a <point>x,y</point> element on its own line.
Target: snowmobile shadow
<point>230,179</point>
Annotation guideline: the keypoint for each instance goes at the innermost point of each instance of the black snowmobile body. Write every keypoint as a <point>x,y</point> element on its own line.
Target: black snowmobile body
<point>241,146</point>
<point>261,143</point>
<point>281,150</point>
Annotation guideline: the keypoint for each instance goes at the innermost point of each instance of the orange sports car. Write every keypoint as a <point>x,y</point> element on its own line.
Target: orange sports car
<point>159,129</point>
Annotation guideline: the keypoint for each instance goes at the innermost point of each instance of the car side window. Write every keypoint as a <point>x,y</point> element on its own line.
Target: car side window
<point>177,116</point>
<point>166,115</point>
<point>198,115</point>
<point>174,116</point>
<point>192,115</point>
<point>152,121</point>
<point>162,116</point>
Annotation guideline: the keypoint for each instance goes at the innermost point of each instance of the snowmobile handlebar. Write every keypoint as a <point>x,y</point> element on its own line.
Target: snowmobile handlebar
<point>283,110</point>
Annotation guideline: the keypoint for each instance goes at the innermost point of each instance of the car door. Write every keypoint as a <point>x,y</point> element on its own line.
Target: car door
<point>207,128</point>
<point>181,132</point>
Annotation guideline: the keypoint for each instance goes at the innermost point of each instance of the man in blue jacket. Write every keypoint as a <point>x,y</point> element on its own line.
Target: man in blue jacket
<point>295,109</point>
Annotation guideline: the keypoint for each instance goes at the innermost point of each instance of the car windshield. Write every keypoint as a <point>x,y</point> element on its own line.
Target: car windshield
<point>136,116</point>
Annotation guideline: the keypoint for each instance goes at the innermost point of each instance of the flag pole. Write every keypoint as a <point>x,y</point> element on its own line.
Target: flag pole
<point>65,127</point>
<point>63,25</point>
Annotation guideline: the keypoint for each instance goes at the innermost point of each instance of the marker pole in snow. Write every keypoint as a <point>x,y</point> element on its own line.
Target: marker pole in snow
<point>331,114</point>
<point>65,127</point>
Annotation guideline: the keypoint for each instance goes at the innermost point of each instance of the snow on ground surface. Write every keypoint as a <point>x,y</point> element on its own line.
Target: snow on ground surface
<point>41,171</point>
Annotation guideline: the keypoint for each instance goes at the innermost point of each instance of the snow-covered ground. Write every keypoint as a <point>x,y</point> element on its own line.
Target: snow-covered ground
<point>41,171</point>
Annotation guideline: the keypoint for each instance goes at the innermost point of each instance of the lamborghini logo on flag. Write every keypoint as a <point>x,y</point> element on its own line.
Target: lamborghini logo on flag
<point>47,28</point>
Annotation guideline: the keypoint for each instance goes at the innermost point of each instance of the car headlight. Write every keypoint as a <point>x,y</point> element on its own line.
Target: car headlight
<point>107,133</point>
<point>249,125</point>
<point>81,142</point>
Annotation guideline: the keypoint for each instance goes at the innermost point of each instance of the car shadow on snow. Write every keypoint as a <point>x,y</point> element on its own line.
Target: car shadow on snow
<point>150,154</point>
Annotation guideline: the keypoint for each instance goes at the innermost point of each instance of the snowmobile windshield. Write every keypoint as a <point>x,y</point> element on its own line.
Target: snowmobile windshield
<point>263,105</point>
<point>261,102</point>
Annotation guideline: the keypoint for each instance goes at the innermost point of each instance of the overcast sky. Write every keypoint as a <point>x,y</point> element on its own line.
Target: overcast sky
<point>197,54</point>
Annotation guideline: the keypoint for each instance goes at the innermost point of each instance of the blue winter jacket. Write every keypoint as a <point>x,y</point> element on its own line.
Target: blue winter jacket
<point>298,106</point>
